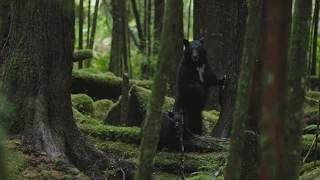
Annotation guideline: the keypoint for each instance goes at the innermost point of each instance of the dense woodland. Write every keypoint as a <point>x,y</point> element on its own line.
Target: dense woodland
<point>155,89</point>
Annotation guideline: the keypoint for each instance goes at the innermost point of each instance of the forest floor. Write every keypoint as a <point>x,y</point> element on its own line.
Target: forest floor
<point>91,114</point>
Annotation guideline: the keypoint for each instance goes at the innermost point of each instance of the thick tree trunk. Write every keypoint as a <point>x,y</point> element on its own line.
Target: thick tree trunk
<point>276,42</point>
<point>37,80</point>
<point>234,41</point>
<point>296,77</point>
<point>152,125</point>
<point>216,29</point>
<point>240,118</point>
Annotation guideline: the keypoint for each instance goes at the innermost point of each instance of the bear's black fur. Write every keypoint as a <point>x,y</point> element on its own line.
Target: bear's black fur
<point>193,90</point>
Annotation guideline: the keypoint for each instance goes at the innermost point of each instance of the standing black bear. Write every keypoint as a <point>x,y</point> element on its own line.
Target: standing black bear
<point>194,77</point>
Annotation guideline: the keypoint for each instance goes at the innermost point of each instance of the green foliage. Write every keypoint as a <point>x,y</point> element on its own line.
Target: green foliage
<point>14,160</point>
<point>83,103</point>
<point>311,129</point>
<point>101,108</point>
<point>311,104</point>
<point>307,167</point>
<point>313,94</point>
<point>314,174</point>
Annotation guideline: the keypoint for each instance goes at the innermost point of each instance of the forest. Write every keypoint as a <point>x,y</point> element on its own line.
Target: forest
<point>159,90</point>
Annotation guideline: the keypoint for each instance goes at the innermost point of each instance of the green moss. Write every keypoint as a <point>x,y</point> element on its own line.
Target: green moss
<point>201,176</point>
<point>90,70</point>
<point>307,167</point>
<point>7,113</point>
<point>83,103</point>
<point>112,133</point>
<point>210,118</point>
<point>311,104</point>
<point>311,129</point>
<point>165,176</point>
<point>314,174</point>
<point>107,78</point>
<point>15,160</point>
<point>314,94</point>
<point>101,108</point>
<point>82,54</point>
<point>84,119</point>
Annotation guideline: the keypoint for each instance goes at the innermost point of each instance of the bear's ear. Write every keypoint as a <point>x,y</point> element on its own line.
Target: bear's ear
<point>185,42</point>
<point>202,40</point>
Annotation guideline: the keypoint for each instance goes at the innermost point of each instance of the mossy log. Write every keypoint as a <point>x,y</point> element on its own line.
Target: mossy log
<point>83,103</point>
<point>101,85</point>
<point>82,54</point>
<point>131,135</point>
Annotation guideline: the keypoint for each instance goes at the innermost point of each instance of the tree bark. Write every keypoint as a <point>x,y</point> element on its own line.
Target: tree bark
<point>89,23</point>
<point>138,22</point>
<point>94,24</point>
<point>297,81</point>
<point>240,116</point>
<point>116,44</point>
<point>80,30</point>
<point>215,29</point>
<point>315,38</point>
<point>158,18</point>
<point>276,42</point>
<point>5,22</point>
<point>152,125</point>
<point>37,80</point>
<point>234,41</point>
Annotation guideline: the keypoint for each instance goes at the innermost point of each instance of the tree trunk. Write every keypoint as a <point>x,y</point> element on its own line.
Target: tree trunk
<point>37,80</point>
<point>176,57</point>
<point>138,22</point>
<point>89,23</point>
<point>80,30</point>
<point>116,44</point>
<point>276,42</point>
<point>5,22</point>
<point>94,24</point>
<point>215,29</point>
<point>234,45</point>
<point>158,18</point>
<point>240,117</point>
<point>315,38</point>
<point>297,80</point>
<point>151,127</point>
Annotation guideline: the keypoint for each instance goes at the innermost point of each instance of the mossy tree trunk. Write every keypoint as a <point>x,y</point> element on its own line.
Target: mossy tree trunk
<point>274,68</point>
<point>215,29</point>
<point>236,19</point>
<point>240,117</point>
<point>152,125</point>
<point>297,81</point>
<point>37,80</point>
<point>157,24</point>
<point>80,46</point>
<point>315,37</point>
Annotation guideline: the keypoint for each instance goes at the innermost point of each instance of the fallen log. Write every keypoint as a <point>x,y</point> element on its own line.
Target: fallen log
<point>100,85</point>
<point>82,54</point>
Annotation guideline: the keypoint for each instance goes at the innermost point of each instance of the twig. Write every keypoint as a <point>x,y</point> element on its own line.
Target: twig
<point>304,159</point>
<point>123,174</point>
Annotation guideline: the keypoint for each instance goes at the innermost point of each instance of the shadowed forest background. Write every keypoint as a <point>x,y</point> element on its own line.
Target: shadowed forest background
<point>89,89</point>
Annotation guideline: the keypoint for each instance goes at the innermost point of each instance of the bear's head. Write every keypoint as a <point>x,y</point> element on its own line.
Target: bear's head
<point>194,52</point>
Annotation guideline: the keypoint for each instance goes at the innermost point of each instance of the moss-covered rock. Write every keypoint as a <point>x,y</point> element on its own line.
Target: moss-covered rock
<point>101,108</point>
<point>210,118</point>
<point>84,119</point>
<point>15,160</point>
<point>138,101</point>
<point>83,103</point>
<point>101,85</point>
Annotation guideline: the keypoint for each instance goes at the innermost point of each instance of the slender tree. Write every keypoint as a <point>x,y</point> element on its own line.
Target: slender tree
<point>276,42</point>
<point>240,117</point>
<point>297,79</point>
<point>315,37</point>
<point>152,125</point>
<point>158,18</point>
<point>80,29</point>
<point>234,44</point>
<point>138,24</point>
<point>37,81</point>
<point>94,24</point>
<point>89,23</point>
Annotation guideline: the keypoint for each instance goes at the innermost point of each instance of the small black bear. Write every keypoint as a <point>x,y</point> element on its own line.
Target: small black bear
<point>194,77</point>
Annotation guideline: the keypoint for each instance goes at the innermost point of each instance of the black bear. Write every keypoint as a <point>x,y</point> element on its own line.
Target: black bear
<point>194,77</point>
